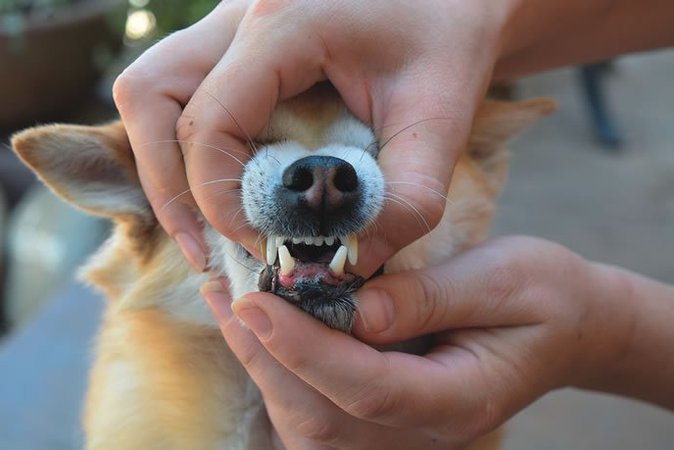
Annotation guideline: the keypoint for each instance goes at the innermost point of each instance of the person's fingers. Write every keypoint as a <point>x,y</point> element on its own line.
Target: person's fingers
<point>233,103</point>
<point>304,418</point>
<point>423,121</point>
<point>150,95</point>
<point>485,287</point>
<point>381,388</point>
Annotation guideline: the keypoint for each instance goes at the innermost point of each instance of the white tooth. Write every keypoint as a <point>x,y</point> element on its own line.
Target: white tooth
<point>352,246</point>
<point>297,240</point>
<point>329,240</point>
<point>279,241</point>
<point>318,240</point>
<point>271,250</point>
<point>338,261</point>
<point>308,240</point>
<point>287,261</point>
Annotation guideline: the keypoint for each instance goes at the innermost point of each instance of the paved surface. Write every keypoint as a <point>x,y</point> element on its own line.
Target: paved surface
<point>611,207</point>
<point>617,208</point>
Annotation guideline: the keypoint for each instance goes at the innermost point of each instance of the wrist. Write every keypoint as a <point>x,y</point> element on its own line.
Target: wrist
<point>628,349</point>
<point>534,27</point>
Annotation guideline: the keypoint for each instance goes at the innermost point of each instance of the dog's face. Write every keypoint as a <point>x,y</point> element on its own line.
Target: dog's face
<point>311,192</point>
<point>311,189</point>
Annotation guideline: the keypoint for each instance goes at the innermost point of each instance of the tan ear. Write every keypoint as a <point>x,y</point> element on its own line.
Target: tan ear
<point>90,167</point>
<point>497,122</point>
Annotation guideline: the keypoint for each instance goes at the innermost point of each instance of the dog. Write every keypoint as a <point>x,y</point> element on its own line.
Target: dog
<point>163,376</point>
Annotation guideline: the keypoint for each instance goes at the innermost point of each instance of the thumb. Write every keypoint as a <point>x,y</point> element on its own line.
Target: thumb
<point>476,289</point>
<point>423,122</point>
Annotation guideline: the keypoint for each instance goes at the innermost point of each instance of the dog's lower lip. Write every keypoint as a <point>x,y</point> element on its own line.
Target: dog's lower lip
<point>311,272</point>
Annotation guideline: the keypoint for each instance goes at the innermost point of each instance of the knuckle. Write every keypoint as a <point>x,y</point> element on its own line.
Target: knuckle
<point>505,280</point>
<point>375,402</point>
<point>433,304</point>
<point>185,128</point>
<point>506,275</point>
<point>125,88</point>
<point>248,354</point>
<point>263,8</point>
<point>318,428</point>
<point>433,210</point>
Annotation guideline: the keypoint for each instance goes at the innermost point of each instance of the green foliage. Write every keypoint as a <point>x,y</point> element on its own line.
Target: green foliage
<point>176,14</point>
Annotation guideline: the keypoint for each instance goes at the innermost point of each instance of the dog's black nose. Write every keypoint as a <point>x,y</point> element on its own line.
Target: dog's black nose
<point>321,189</point>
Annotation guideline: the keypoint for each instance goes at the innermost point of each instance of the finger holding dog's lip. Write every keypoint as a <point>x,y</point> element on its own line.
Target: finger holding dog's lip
<point>150,95</point>
<point>363,382</point>
<point>316,421</point>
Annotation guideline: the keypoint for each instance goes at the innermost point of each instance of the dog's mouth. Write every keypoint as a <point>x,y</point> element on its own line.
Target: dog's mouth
<point>312,259</point>
<point>310,272</point>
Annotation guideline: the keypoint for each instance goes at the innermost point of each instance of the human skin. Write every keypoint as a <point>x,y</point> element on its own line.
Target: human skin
<point>197,96</point>
<point>513,319</point>
<point>517,329</point>
<point>389,76</point>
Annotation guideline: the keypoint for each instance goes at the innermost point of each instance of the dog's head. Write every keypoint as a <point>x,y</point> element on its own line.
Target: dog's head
<point>311,189</point>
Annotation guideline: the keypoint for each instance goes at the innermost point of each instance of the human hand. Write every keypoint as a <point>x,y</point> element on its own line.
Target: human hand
<point>512,320</point>
<point>196,97</point>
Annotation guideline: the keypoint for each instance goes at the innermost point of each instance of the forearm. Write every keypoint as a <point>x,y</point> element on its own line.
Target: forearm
<point>635,357</point>
<point>542,35</point>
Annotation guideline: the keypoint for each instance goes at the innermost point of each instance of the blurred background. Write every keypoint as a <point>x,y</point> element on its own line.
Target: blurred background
<point>598,177</point>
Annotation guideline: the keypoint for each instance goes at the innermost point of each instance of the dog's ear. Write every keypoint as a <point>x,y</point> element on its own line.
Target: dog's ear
<point>90,167</point>
<point>495,124</point>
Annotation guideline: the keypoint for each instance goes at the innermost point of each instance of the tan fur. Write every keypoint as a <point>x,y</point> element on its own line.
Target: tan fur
<point>162,382</point>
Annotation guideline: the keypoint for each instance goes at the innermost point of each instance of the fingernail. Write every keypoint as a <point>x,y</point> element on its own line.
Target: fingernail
<point>192,251</point>
<point>218,299</point>
<point>253,317</point>
<point>375,310</point>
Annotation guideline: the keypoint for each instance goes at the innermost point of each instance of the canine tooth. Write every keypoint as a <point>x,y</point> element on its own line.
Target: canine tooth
<point>279,241</point>
<point>271,250</point>
<point>329,240</point>
<point>352,247</point>
<point>338,261</point>
<point>287,261</point>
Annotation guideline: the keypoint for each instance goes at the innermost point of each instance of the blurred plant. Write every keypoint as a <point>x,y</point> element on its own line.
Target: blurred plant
<point>152,19</point>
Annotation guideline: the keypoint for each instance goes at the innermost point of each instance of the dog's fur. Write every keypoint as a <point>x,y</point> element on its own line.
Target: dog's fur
<point>163,376</point>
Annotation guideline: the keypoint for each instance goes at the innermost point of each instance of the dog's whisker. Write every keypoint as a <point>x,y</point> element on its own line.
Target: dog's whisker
<point>410,183</point>
<point>224,151</point>
<point>174,198</point>
<point>184,141</point>
<point>249,139</point>
<point>243,225</point>
<point>402,130</point>
<point>406,207</point>
<point>404,202</point>
<point>235,215</point>
<point>237,260</point>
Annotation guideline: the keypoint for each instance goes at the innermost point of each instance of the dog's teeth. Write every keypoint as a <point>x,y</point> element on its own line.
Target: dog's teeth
<point>329,240</point>
<point>351,243</point>
<point>298,240</point>
<point>271,250</point>
<point>338,261</point>
<point>279,241</point>
<point>286,260</point>
<point>318,240</point>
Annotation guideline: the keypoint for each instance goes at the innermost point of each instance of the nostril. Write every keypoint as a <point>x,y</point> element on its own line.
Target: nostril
<point>299,179</point>
<point>346,179</point>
